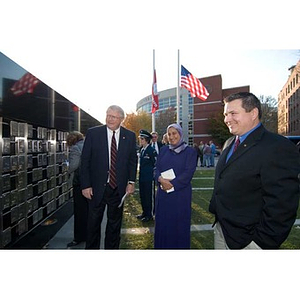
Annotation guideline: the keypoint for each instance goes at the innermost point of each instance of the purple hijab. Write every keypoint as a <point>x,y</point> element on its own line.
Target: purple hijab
<point>181,145</point>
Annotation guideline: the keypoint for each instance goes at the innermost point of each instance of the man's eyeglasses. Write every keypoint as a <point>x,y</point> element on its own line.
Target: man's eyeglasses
<point>112,117</point>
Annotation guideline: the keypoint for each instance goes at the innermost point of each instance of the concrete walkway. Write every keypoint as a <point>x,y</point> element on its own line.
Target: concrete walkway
<point>65,234</point>
<point>203,227</point>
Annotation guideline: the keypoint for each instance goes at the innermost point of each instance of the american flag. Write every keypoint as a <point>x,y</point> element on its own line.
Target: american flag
<point>193,84</point>
<point>155,103</point>
<point>25,84</point>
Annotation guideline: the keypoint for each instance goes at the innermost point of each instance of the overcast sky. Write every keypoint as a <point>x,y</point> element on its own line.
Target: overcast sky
<point>97,56</point>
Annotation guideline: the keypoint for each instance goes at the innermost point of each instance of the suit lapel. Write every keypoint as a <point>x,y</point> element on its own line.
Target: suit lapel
<point>227,146</point>
<point>249,142</point>
<point>122,140</point>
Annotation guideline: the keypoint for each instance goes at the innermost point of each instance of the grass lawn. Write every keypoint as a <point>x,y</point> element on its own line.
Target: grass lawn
<point>200,201</point>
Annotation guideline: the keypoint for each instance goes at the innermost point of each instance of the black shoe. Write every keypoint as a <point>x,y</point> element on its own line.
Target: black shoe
<point>147,219</point>
<point>73,243</point>
<point>140,217</point>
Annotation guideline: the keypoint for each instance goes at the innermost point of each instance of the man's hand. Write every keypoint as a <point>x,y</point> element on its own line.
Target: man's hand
<point>130,188</point>
<point>88,193</point>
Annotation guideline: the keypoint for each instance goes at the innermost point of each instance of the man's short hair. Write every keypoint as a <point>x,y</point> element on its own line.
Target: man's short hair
<point>249,101</point>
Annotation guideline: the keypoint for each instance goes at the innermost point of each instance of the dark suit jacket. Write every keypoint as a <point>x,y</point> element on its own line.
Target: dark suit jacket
<point>95,161</point>
<point>256,193</point>
<point>159,145</point>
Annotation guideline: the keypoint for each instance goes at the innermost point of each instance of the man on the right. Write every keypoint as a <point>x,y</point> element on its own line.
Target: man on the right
<point>256,191</point>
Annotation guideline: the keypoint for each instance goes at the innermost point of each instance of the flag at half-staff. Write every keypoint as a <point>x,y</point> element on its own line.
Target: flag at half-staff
<point>155,103</point>
<point>193,84</point>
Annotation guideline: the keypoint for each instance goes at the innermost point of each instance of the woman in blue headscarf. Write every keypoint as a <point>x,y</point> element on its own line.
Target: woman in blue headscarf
<point>175,168</point>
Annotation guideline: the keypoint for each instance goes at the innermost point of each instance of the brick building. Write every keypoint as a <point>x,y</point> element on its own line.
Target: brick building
<point>288,104</point>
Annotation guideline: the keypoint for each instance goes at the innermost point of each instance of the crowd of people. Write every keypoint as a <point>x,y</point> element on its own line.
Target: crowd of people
<point>256,187</point>
<point>206,153</point>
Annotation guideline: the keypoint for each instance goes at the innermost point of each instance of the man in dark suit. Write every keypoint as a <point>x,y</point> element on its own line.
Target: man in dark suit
<point>147,163</point>
<point>108,171</point>
<point>155,143</point>
<point>256,191</point>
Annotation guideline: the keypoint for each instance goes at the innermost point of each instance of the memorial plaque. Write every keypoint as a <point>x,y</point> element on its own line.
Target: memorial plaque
<point>51,159</point>
<point>14,197</point>
<point>34,146</point>
<point>29,191</point>
<point>6,201</point>
<point>14,162</point>
<point>39,160</point>
<point>30,146</point>
<point>21,163</point>
<point>22,226</point>
<point>29,161</point>
<point>13,128</point>
<point>6,146</point>
<point>53,134</point>
<point>45,133</point>
<point>30,131</point>
<point>22,180</point>
<point>39,132</point>
<point>6,236</point>
<point>6,186</point>
<point>6,164</point>
<point>22,195</point>
<point>22,129</point>
<point>20,146</point>
<point>22,210</point>
<point>44,159</point>
<point>14,214</point>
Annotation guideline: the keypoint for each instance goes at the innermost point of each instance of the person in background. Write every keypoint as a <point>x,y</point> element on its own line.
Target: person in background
<point>108,171</point>
<point>155,143</point>
<point>174,194</point>
<point>256,189</point>
<point>165,139</point>
<point>75,142</point>
<point>147,163</point>
<point>213,152</point>
<point>206,155</point>
<point>201,147</point>
<point>195,146</point>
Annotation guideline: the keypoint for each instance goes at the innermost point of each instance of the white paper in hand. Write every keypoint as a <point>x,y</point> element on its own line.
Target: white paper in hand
<point>170,175</point>
<point>123,199</point>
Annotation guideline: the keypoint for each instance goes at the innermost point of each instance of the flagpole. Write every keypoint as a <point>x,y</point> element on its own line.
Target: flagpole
<point>79,119</point>
<point>178,91</point>
<point>52,107</point>
<point>153,114</point>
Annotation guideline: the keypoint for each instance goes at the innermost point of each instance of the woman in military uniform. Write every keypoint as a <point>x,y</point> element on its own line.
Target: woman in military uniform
<point>147,163</point>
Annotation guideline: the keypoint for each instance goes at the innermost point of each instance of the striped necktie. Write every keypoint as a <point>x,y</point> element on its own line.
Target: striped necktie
<point>113,161</point>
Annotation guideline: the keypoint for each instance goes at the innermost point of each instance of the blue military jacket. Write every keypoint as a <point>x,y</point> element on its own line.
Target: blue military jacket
<point>147,163</point>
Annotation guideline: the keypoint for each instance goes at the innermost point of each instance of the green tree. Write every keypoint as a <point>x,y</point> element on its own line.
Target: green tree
<point>218,129</point>
<point>269,113</point>
<point>163,120</point>
<point>136,122</point>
